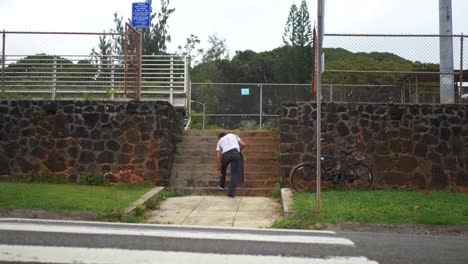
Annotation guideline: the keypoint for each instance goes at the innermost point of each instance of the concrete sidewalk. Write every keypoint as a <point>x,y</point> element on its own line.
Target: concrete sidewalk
<point>241,211</point>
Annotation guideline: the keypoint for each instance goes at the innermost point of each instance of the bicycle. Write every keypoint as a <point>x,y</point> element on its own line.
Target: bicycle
<point>350,173</point>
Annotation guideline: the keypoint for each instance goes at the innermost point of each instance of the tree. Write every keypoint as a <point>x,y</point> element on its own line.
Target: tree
<point>298,29</point>
<point>303,27</point>
<point>113,46</point>
<point>118,38</point>
<point>289,35</point>
<point>155,38</point>
<point>101,58</point>
<point>217,49</point>
<point>190,50</point>
<point>298,38</point>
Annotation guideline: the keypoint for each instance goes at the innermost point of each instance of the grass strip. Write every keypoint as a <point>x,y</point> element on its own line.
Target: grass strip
<point>383,207</point>
<point>68,197</point>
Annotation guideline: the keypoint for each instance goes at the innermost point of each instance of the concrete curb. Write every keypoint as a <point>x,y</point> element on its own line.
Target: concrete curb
<point>286,198</point>
<point>143,199</point>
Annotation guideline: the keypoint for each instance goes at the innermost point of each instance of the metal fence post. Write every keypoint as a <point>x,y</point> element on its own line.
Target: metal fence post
<point>411,96</point>
<point>417,90</point>
<point>204,115</point>
<point>261,107</point>
<point>54,78</point>
<point>171,95</point>
<point>185,78</point>
<point>331,93</point>
<point>461,66</point>
<point>140,65</point>
<point>3,62</point>
<point>112,78</point>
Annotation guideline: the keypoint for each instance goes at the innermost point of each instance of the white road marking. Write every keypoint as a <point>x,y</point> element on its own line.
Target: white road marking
<point>22,220</point>
<point>196,234</point>
<point>105,255</point>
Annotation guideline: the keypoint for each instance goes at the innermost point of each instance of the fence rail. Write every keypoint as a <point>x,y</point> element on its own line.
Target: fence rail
<point>96,76</point>
<point>225,106</point>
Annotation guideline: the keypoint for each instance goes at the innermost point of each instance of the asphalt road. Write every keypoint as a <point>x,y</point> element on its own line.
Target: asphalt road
<point>38,241</point>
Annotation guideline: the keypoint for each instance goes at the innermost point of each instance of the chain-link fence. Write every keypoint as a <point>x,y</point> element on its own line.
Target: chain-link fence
<point>242,105</point>
<point>409,63</point>
<point>255,105</point>
<point>84,66</point>
<point>358,68</point>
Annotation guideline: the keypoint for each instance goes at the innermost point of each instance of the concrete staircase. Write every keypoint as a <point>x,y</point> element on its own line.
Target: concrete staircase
<point>195,169</point>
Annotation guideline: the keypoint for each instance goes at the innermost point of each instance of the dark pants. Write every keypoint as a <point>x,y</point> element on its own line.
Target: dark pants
<point>233,157</point>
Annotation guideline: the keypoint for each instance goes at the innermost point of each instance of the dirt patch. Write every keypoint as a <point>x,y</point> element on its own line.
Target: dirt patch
<point>437,230</point>
<point>42,214</point>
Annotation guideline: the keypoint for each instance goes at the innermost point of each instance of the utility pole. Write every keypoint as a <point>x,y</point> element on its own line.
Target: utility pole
<point>447,93</point>
<point>320,12</point>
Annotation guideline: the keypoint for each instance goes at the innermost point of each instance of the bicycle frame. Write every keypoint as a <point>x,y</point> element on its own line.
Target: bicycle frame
<point>344,171</point>
<point>328,173</point>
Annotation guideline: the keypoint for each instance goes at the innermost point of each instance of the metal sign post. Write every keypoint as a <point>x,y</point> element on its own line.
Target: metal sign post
<point>320,12</point>
<point>141,18</point>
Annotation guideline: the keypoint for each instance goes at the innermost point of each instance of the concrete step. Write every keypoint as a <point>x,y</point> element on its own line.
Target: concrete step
<point>247,154</point>
<point>214,140</point>
<point>211,167</point>
<point>196,175</point>
<point>212,158</point>
<point>215,191</point>
<point>244,133</point>
<point>208,147</point>
<point>196,172</point>
<point>212,183</point>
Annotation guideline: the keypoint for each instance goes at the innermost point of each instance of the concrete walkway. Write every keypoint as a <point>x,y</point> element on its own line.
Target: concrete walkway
<point>222,211</point>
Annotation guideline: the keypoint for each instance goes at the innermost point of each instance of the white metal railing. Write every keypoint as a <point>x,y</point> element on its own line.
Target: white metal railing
<point>75,77</point>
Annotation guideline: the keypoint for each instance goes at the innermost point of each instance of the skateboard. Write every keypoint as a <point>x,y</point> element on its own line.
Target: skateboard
<point>241,168</point>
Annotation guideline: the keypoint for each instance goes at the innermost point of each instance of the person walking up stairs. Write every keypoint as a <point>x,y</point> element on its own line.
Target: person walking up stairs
<point>195,171</point>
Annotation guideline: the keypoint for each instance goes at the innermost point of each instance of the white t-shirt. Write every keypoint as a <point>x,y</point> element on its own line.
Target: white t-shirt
<point>228,142</point>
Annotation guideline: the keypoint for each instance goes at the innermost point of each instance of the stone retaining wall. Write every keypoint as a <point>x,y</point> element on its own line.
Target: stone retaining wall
<point>129,142</point>
<point>414,146</point>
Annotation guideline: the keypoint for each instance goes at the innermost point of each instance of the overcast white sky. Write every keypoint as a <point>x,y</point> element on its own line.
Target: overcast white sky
<point>246,24</point>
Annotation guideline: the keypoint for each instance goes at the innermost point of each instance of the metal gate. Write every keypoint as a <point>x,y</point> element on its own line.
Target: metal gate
<point>132,51</point>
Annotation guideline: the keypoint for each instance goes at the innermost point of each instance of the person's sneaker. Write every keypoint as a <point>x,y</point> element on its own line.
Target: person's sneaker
<point>230,196</point>
<point>221,187</point>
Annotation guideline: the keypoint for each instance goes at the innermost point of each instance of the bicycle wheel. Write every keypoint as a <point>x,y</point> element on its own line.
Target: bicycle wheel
<point>303,178</point>
<point>357,176</point>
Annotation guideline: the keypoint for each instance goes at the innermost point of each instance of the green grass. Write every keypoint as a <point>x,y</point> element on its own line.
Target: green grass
<point>68,197</point>
<point>384,207</point>
<point>276,192</point>
<point>155,201</point>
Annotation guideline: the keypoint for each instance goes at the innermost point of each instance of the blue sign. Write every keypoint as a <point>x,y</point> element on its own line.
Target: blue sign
<point>141,13</point>
<point>245,91</point>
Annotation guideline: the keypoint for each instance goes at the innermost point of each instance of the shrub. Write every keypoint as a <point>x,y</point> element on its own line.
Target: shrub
<point>92,179</point>
<point>154,202</point>
<point>276,192</point>
<point>272,124</point>
<point>140,210</point>
<point>248,125</point>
